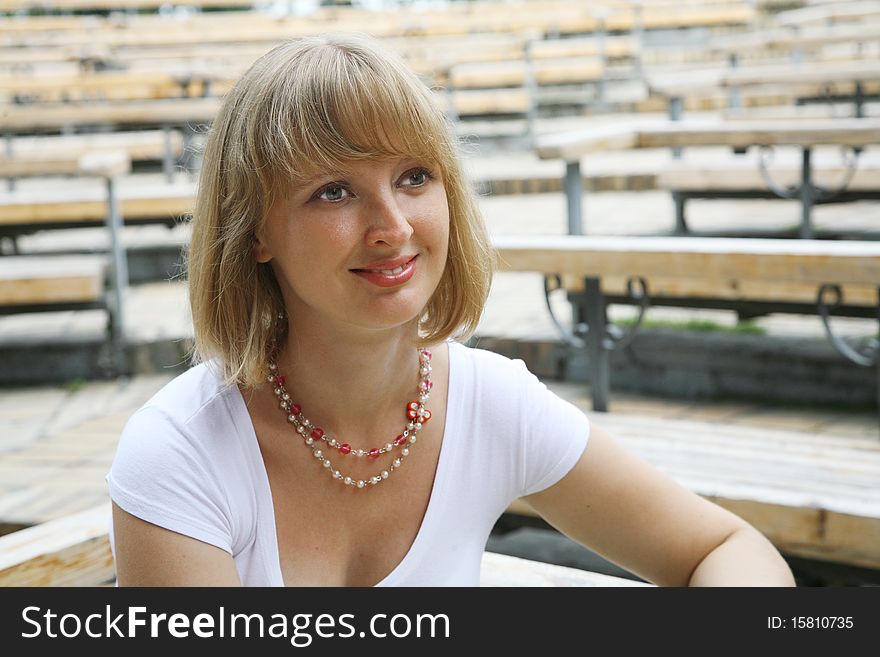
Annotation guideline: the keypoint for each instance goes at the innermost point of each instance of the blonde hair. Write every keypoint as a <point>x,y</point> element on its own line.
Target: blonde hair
<point>306,106</point>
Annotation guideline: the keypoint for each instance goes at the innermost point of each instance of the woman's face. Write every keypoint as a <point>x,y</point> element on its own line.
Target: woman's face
<point>360,248</point>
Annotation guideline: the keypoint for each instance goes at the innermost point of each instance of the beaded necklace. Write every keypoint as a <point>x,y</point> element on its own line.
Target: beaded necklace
<point>317,440</point>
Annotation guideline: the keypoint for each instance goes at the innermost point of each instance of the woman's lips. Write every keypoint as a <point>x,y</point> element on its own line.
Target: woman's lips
<point>389,278</point>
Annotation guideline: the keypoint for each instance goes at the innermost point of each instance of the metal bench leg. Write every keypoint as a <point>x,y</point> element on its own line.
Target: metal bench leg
<point>168,155</point>
<point>676,105</point>
<point>681,227</point>
<point>574,190</point>
<point>597,352</point>
<point>118,280</point>
<point>806,192</point>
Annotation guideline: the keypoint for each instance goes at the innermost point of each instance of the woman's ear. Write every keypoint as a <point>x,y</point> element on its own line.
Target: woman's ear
<point>261,251</point>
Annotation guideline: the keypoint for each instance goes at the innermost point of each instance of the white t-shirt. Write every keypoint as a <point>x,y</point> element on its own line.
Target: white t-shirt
<point>189,461</point>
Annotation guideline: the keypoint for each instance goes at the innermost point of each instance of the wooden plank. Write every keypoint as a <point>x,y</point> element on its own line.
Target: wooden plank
<point>746,176</point>
<point>498,101</point>
<point>798,261</point>
<point>71,551</point>
<point>816,73</point>
<point>842,132</point>
<point>175,112</point>
<point>781,482</point>
<point>140,145</point>
<point>503,570</point>
<point>572,145</point>
<point>90,205</point>
<point>732,290</point>
<point>37,280</point>
<point>514,73</point>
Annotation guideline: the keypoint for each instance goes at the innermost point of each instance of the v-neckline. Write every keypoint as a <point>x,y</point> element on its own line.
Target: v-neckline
<point>271,549</point>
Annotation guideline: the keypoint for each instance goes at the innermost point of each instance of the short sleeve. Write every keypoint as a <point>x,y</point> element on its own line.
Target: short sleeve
<point>554,434</point>
<point>163,475</point>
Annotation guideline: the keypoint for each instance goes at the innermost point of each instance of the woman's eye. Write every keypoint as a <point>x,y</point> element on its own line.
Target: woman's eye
<point>416,178</point>
<point>333,193</point>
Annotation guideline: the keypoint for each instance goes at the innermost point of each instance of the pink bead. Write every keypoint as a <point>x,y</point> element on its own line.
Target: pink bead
<point>317,433</point>
<point>399,440</point>
<point>345,448</point>
<point>280,380</point>
<point>296,409</point>
<point>374,453</point>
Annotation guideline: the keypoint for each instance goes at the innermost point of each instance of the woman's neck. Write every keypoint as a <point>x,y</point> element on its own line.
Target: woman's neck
<point>351,384</point>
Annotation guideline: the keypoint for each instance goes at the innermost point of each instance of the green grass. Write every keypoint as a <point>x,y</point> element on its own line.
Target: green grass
<point>74,385</point>
<point>748,327</point>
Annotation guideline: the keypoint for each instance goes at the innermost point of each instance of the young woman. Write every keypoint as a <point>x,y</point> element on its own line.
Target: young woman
<point>333,433</point>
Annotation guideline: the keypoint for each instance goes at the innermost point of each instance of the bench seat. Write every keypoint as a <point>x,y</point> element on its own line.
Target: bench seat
<point>34,281</point>
<point>813,495</point>
<point>26,210</point>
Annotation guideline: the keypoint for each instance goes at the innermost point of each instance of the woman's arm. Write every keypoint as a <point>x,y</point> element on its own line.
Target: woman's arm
<point>628,511</point>
<point>149,555</point>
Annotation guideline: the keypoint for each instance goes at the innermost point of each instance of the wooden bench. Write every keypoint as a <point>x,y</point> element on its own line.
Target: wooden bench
<point>47,155</point>
<point>29,283</point>
<point>741,178</point>
<point>46,284</point>
<point>753,276</point>
<point>796,84</point>
<point>738,135</point>
<point>814,495</point>
<point>75,551</point>
<point>28,211</point>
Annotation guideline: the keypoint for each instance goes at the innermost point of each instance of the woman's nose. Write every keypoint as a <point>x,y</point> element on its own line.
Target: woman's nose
<point>388,221</point>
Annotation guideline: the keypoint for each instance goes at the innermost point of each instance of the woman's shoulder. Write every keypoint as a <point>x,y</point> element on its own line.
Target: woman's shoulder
<point>192,411</point>
<point>487,364</point>
<point>188,393</point>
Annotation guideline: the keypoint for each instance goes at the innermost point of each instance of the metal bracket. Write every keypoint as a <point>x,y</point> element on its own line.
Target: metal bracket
<point>618,338</point>
<point>615,336</point>
<point>868,354</point>
<point>850,156</point>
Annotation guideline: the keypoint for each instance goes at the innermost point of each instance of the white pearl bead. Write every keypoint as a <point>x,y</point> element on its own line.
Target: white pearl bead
<point>273,367</point>
<point>384,474</point>
<point>389,447</point>
<point>396,463</point>
<point>319,454</point>
<point>418,426</point>
<point>337,474</point>
<point>333,442</point>
<point>360,483</point>
<point>423,398</point>
<point>326,463</point>
<point>412,440</point>
<point>347,480</point>
<point>309,440</point>
<point>301,429</point>
<point>291,418</point>
<point>277,392</point>
<point>405,452</point>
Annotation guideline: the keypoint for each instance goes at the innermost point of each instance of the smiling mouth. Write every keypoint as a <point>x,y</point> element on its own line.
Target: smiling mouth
<point>388,272</point>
